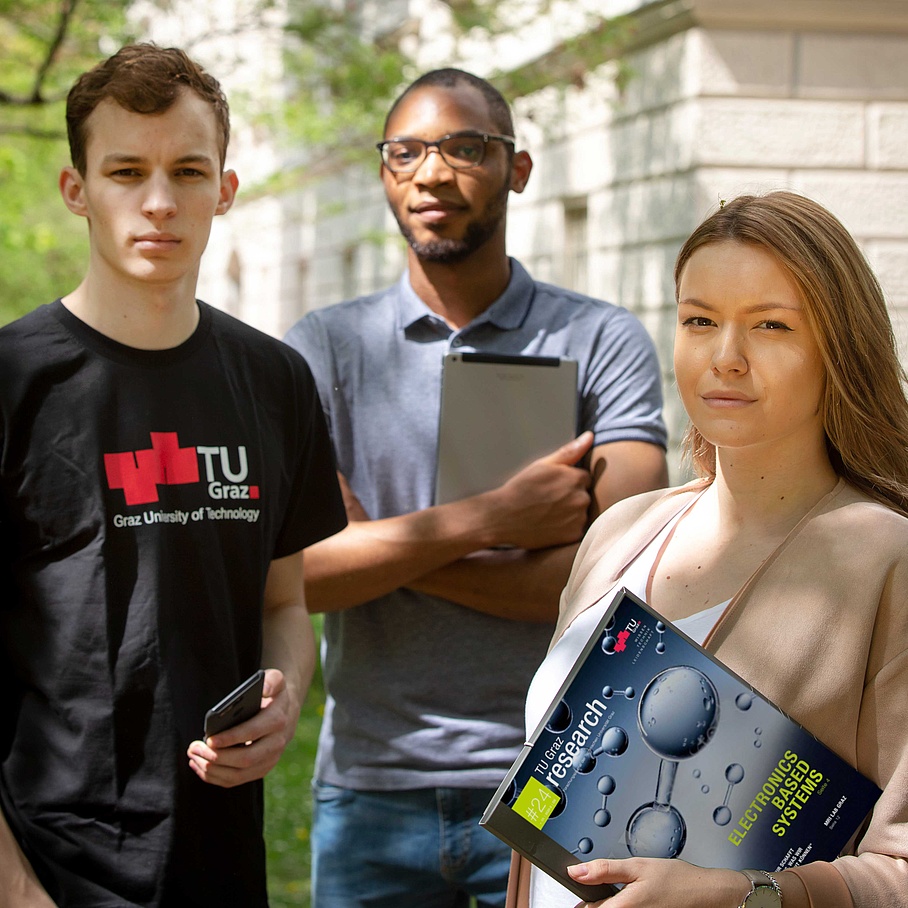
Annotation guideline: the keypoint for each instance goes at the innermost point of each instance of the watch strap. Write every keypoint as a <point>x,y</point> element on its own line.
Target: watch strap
<point>760,879</point>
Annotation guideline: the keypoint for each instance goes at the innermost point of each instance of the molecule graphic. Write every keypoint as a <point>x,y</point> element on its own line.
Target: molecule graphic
<point>560,720</point>
<point>734,773</point>
<point>602,817</point>
<point>606,786</point>
<point>613,743</point>
<point>677,717</point>
<point>660,630</point>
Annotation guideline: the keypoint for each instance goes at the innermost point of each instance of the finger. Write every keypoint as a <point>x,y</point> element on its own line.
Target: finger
<point>265,722</point>
<point>201,751</point>
<point>274,683</point>
<point>570,453</point>
<point>220,776</point>
<point>237,765</point>
<point>600,870</point>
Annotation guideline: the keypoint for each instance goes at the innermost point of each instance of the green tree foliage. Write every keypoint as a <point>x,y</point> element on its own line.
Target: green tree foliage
<point>45,45</point>
<point>341,73</point>
<point>42,246</point>
<point>345,74</point>
<point>342,79</point>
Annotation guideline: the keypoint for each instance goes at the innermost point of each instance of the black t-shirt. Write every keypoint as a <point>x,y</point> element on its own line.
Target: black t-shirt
<point>143,495</point>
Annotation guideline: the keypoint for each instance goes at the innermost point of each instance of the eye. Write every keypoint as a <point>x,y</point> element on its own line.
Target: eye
<point>403,152</point>
<point>464,149</point>
<point>774,325</point>
<point>190,172</point>
<point>698,321</point>
<point>125,172</point>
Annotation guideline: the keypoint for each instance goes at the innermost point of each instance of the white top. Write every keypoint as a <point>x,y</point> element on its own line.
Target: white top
<point>545,892</point>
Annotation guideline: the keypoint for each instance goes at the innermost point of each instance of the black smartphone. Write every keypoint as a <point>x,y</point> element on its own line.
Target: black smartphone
<point>242,703</point>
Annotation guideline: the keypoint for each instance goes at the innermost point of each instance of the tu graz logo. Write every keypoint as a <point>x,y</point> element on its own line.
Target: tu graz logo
<point>165,463</point>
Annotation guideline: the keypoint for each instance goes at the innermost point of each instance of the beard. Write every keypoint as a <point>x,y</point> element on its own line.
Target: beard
<point>478,232</point>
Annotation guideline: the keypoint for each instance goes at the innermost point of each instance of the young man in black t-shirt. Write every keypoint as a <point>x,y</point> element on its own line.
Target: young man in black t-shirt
<point>162,466</point>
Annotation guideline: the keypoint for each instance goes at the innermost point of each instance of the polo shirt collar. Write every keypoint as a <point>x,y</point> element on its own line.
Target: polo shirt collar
<point>506,313</point>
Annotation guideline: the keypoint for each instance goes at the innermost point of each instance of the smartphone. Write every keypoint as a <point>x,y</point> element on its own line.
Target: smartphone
<point>242,703</point>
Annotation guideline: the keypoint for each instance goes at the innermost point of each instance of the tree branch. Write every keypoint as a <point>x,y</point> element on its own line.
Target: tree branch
<point>67,8</point>
<point>30,132</point>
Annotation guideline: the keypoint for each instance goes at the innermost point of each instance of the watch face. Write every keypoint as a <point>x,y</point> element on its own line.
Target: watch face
<point>763,897</point>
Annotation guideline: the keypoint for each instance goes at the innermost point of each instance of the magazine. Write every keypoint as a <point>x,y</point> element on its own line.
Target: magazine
<point>653,748</point>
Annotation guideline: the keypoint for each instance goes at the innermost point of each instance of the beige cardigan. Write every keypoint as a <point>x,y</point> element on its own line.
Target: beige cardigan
<point>821,628</point>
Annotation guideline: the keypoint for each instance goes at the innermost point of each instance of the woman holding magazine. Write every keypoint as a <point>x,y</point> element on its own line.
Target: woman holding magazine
<point>788,558</point>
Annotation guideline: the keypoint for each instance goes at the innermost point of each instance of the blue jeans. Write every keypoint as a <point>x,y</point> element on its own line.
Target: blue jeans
<point>405,849</point>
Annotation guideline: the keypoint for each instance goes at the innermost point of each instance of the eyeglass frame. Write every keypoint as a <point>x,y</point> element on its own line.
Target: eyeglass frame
<point>485,136</point>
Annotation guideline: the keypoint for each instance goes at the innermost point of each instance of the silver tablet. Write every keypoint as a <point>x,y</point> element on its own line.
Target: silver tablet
<point>498,414</point>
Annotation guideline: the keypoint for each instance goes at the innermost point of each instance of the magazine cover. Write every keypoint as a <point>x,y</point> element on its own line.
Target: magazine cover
<point>652,748</point>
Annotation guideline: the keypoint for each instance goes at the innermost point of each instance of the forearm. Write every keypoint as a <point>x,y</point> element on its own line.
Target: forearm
<point>288,644</point>
<point>371,558</point>
<point>515,584</point>
<point>673,883</point>
<point>19,886</point>
<point>544,505</point>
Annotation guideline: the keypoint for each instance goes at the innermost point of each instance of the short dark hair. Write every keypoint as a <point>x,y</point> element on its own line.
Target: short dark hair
<point>145,79</point>
<point>499,109</point>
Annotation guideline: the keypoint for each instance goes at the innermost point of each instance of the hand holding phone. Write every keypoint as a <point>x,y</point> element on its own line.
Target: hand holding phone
<point>242,703</point>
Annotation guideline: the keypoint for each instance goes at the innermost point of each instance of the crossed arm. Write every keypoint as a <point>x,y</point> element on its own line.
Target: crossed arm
<point>449,550</point>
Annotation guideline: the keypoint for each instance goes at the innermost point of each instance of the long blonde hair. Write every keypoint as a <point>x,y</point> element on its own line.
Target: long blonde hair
<point>865,412</point>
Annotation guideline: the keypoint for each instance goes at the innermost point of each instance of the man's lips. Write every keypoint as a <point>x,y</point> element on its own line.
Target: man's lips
<point>436,210</point>
<point>156,241</point>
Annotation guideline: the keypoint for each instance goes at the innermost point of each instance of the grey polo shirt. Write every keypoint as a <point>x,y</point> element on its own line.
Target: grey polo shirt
<point>422,691</point>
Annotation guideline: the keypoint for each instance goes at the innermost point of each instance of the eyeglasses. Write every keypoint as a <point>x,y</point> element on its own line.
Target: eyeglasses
<point>458,151</point>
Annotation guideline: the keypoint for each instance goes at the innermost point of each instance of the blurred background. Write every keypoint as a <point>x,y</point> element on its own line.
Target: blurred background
<point>641,115</point>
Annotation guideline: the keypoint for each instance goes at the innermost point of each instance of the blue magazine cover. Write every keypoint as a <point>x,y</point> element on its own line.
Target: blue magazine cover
<point>652,748</point>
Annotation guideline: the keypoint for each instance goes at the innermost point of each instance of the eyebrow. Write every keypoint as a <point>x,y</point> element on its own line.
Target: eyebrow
<point>750,310</point>
<point>138,159</point>
<point>469,132</point>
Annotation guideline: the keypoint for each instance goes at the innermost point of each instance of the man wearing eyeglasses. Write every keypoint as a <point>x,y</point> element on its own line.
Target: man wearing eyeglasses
<point>432,630</point>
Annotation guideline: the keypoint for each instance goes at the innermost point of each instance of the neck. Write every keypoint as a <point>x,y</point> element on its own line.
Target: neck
<point>772,489</point>
<point>460,291</point>
<point>139,315</point>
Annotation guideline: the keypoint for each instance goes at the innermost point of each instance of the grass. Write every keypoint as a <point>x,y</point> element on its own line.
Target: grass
<point>288,808</point>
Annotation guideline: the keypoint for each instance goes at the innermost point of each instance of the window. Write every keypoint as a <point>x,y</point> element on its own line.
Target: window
<point>576,245</point>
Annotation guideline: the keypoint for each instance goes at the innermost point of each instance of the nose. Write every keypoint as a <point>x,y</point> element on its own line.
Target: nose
<point>160,200</point>
<point>729,353</point>
<point>433,168</point>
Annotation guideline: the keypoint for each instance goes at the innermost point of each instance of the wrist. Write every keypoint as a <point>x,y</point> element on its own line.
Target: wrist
<point>764,890</point>
<point>482,518</point>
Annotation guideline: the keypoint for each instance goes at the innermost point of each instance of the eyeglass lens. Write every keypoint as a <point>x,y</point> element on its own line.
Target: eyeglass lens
<point>458,151</point>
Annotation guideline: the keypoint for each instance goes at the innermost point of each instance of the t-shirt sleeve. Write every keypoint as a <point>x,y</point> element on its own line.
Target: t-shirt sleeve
<point>310,340</point>
<point>315,508</point>
<point>621,389</point>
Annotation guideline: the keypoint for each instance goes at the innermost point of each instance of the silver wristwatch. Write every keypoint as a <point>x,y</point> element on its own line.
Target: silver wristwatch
<point>764,891</point>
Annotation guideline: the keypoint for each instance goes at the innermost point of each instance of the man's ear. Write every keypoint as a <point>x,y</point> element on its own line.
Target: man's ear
<point>521,166</point>
<point>229,185</point>
<point>72,185</point>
